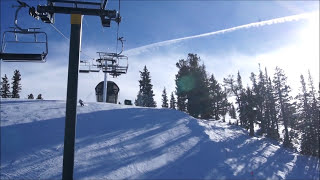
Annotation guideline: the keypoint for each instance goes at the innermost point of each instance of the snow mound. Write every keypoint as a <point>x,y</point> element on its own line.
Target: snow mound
<point>118,142</point>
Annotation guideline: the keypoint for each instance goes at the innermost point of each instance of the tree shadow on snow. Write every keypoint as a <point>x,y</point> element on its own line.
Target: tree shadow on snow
<point>139,143</point>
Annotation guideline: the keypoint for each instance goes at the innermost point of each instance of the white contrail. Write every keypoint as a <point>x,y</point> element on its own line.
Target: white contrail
<point>297,17</point>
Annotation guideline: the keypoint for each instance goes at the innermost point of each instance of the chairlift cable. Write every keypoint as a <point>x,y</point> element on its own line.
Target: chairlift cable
<point>117,39</point>
<point>118,28</point>
<point>119,6</point>
<point>68,39</point>
<point>60,32</point>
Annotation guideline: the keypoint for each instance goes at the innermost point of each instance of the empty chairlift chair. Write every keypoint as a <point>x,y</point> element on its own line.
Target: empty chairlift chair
<point>28,41</point>
<point>86,67</point>
<point>22,45</point>
<point>113,63</point>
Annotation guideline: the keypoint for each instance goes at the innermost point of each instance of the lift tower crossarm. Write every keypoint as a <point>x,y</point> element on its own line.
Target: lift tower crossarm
<point>46,12</point>
<point>73,2</point>
<point>84,11</point>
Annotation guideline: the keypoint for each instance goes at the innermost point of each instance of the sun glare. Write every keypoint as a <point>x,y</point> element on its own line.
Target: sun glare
<point>310,34</point>
<point>309,37</point>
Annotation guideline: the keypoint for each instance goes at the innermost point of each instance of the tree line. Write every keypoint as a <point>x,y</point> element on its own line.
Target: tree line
<point>16,87</point>
<point>267,102</point>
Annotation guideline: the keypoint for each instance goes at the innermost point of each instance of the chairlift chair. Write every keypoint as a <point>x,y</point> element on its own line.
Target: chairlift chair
<point>86,67</point>
<point>113,63</point>
<point>7,56</point>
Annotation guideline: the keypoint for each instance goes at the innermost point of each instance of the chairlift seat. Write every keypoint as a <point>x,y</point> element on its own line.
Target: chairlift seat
<point>14,57</point>
<point>83,71</point>
<point>87,70</point>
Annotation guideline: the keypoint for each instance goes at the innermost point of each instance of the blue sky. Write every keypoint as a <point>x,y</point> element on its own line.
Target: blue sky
<point>294,45</point>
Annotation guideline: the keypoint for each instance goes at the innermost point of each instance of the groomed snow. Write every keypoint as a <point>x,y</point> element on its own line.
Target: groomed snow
<point>118,141</point>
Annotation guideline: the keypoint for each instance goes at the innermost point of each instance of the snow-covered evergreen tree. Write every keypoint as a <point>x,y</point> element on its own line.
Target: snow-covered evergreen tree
<point>183,84</point>
<point>16,85</point>
<point>249,106</point>
<point>164,99</point>
<point>215,97</point>
<point>235,88</point>
<point>225,105</point>
<point>241,92</point>
<point>308,117</point>
<point>5,87</point>
<point>192,86</point>
<point>259,90</point>
<point>145,94</point>
<point>172,102</point>
<point>283,98</point>
<point>232,112</point>
<point>315,116</point>
<point>138,101</point>
<point>270,109</point>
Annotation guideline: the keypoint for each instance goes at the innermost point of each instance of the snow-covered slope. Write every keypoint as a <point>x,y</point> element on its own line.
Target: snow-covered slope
<point>116,142</point>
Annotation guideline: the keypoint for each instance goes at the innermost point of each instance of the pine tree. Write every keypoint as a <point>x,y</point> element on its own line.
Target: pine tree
<point>139,101</point>
<point>16,86</point>
<point>309,117</point>
<point>172,102</point>
<point>305,118</point>
<point>224,104</point>
<point>231,88</point>
<point>215,97</point>
<point>5,87</point>
<point>181,102</point>
<point>315,116</point>
<point>259,89</point>
<point>218,99</point>
<point>271,112</point>
<point>164,99</point>
<point>145,95</point>
<point>254,99</point>
<point>242,117</point>
<point>249,107</point>
<point>283,101</point>
<point>39,97</point>
<point>232,112</point>
<point>183,84</point>
<point>203,93</point>
<point>236,89</point>
<point>192,87</point>
<point>30,96</point>
<point>243,110</point>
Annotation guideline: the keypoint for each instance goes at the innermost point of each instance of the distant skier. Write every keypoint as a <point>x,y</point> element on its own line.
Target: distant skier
<point>81,102</point>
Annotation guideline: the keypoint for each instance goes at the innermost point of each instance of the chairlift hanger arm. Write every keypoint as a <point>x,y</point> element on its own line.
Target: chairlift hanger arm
<point>21,5</point>
<point>121,40</point>
<point>104,4</point>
